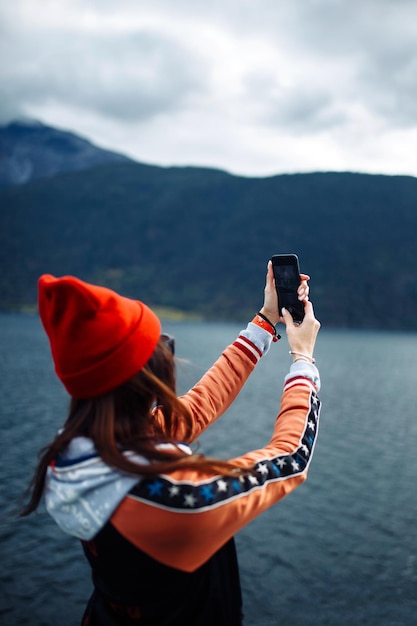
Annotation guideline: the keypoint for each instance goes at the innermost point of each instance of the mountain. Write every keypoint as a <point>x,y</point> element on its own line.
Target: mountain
<point>198,239</point>
<point>31,150</point>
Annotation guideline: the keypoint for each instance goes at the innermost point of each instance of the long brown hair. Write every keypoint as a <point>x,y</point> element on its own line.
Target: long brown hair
<point>123,420</point>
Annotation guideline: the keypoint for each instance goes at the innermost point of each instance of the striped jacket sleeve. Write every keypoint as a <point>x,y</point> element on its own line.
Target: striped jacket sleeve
<point>217,389</point>
<point>183,518</point>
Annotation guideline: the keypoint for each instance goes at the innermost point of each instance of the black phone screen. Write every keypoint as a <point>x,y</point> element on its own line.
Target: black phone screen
<point>287,280</point>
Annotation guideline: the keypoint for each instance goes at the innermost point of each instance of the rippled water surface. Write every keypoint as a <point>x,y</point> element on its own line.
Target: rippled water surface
<point>340,551</point>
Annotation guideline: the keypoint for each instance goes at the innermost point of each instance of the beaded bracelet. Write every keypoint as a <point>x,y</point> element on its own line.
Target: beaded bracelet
<point>263,322</point>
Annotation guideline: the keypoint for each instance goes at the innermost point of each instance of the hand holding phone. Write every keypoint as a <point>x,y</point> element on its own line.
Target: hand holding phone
<point>287,280</point>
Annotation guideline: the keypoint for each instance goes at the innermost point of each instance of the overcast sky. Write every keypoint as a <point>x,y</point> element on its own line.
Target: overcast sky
<point>255,87</point>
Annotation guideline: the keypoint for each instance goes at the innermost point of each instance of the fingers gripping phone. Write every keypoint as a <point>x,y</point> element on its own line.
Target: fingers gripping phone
<point>287,280</point>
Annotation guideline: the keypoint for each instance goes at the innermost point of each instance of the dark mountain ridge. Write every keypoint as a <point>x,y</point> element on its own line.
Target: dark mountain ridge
<point>198,239</point>
<point>30,150</point>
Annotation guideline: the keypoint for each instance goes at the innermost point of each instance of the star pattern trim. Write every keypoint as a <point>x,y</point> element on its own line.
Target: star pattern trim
<point>186,496</point>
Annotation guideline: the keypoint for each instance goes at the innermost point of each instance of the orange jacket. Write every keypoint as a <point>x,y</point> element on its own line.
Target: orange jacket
<point>183,518</point>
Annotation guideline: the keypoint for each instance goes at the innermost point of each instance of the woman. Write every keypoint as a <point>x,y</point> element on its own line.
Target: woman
<point>155,520</point>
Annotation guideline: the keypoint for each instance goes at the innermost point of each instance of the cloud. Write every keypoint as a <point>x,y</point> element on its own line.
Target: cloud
<point>130,76</point>
<point>241,84</point>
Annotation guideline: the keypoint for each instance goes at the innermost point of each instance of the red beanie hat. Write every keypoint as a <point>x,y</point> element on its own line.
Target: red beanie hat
<point>98,339</point>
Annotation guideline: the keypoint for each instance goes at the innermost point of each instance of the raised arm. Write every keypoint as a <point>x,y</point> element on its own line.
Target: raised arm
<point>218,388</point>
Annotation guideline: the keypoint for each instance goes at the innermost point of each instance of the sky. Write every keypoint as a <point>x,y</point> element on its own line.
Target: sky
<point>253,87</point>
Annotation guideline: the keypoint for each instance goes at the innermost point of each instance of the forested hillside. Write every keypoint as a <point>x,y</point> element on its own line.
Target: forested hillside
<point>198,240</point>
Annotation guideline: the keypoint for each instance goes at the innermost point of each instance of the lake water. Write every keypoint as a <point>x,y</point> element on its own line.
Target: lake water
<point>340,551</point>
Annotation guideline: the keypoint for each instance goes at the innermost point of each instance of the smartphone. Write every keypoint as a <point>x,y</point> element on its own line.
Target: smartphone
<point>287,280</point>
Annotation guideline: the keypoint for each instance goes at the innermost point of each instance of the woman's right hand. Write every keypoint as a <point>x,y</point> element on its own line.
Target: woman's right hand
<point>302,337</point>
